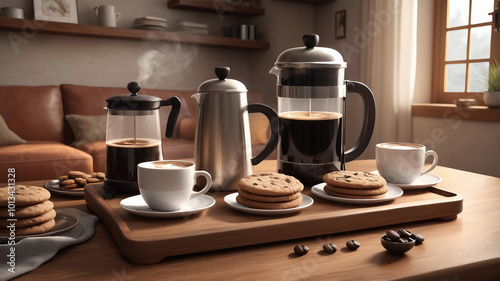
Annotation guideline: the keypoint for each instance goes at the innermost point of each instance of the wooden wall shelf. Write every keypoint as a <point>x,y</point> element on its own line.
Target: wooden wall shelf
<point>312,2</point>
<point>31,27</point>
<point>216,7</point>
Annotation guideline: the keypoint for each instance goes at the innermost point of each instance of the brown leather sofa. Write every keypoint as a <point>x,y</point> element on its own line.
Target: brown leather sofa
<point>39,116</point>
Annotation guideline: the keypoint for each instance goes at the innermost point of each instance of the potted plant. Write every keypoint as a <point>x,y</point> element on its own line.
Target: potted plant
<point>492,96</point>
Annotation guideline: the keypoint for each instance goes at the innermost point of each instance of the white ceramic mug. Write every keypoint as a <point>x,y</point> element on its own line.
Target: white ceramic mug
<point>402,162</point>
<point>167,185</point>
<point>106,15</point>
<point>10,12</point>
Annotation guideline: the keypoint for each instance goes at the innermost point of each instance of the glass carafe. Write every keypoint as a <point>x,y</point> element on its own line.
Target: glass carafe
<point>311,93</point>
<point>133,135</point>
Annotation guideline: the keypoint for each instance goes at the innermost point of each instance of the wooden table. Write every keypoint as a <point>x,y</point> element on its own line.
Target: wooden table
<point>467,248</point>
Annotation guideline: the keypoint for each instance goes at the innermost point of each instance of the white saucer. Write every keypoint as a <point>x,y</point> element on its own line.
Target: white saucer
<point>424,181</point>
<point>136,205</point>
<point>393,193</point>
<point>230,199</point>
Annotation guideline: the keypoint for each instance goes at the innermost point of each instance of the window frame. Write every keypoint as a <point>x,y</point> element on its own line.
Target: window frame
<point>439,54</point>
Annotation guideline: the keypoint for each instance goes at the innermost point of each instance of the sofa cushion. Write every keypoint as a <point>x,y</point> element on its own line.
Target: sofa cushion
<point>42,160</point>
<point>33,113</point>
<point>7,137</point>
<point>87,128</point>
<point>97,149</point>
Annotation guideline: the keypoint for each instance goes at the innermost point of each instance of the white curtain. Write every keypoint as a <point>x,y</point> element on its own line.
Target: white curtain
<point>388,62</point>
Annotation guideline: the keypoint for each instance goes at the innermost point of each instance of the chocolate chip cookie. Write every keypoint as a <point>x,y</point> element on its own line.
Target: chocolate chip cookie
<point>357,191</point>
<point>271,184</point>
<point>26,222</point>
<point>266,205</point>
<point>354,179</point>
<point>24,195</point>
<point>27,211</point>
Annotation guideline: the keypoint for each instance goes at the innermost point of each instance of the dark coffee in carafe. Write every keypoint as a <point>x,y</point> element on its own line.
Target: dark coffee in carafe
<point>123,155</point>
<point>310,144</point>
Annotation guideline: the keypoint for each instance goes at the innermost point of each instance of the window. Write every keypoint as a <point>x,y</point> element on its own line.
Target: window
<point>465,43</point>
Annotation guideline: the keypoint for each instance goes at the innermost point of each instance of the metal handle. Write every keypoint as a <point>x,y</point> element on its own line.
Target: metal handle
<point>175,102</point>
<point>271,114</point>
<point>368,119</point>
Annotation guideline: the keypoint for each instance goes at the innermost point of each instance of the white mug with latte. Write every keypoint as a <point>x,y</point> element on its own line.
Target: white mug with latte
<point>167,185</point>
<point>401,162</point>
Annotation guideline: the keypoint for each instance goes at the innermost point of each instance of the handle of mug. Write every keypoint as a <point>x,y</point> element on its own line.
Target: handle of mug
<point>207,186</point>
<point>368,119</point>
<point>118,16</point>
<point>96,11</point>
<point>434,161</point>
<point>272,116</point>
<point>175,102</point>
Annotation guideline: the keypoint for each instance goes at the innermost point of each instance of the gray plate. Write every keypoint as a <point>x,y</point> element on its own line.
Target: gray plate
<point>53,186</point>
<point>64,222</point>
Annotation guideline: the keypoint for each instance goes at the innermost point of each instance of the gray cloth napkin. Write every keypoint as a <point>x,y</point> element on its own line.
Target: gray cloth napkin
<point>32,252</point>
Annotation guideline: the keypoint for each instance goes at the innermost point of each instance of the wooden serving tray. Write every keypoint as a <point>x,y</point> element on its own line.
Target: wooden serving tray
<point>146,240</point>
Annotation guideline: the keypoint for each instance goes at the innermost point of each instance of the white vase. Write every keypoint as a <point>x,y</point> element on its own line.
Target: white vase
<point>492,99</point>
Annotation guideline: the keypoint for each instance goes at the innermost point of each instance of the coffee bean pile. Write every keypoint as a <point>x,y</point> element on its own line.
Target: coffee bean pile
<point>403,236</point>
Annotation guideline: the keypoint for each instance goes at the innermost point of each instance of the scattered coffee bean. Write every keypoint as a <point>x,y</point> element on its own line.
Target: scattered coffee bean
<point>330,248</point>
<point>404,233</point>
<point>352,244</point>
<point>418,238</point>
<point>301,250</point>
<point>393,235</point>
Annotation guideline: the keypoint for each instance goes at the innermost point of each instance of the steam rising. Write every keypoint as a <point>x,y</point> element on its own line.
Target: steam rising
<point>163,60</point>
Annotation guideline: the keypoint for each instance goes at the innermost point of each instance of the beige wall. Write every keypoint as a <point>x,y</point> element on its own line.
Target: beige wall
<point>467,145</point>
<point>40,59</point>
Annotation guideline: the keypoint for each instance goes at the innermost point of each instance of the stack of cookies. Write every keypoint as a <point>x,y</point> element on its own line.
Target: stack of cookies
<point>76,180</point>
<point>270,191</point>
<point>355,185</point>
<point>33,210</point>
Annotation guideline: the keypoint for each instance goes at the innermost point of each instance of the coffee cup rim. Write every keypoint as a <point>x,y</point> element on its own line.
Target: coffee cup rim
<point>143,165</point>
<point>410,144</point>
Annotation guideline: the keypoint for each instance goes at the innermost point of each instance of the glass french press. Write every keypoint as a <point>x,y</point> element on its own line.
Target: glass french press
<point>133,135</point>
<point>311,94</point>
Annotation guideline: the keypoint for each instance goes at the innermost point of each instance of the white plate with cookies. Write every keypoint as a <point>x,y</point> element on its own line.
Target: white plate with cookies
<point>269,194</point>
<point>230,200</point>
<point>392,193</point>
